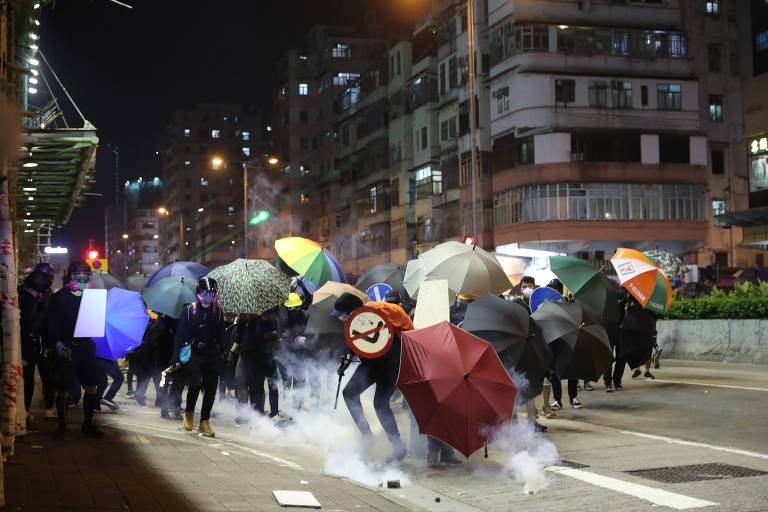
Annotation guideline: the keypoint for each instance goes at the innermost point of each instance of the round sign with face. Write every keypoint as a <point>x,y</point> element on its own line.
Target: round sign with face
<point>368,334</point>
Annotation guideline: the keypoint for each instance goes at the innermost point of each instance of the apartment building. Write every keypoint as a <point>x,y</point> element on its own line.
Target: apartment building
<point>207,146</point>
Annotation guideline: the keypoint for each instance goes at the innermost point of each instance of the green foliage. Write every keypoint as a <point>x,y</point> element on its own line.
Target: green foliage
<point>747,300</point>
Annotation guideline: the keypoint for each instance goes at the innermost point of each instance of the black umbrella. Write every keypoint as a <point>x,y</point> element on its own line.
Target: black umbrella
<point>389,274</point>
<point>579,343</point>
<point>515,338</point>
<point>635,333</point>
<point>324,333</point>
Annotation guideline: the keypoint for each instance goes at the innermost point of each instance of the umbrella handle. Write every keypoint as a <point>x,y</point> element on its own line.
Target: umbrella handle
<point>486,449</point>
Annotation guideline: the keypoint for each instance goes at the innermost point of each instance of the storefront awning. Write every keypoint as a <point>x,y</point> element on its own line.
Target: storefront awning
<point>55,168</point>
<point>751,217</point>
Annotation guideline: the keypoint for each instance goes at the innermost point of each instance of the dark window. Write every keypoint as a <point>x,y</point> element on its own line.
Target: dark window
<point>669,97</point>
<point>759,261</point>
<point>303,117</point>
<point>718,161</point>
<point>715,57</point>
<point>423,137</point>
<point>443,90</point>
<point>674,149</point>
<point>605,147</point>
<point>622,94</point>
<point>716,108</point>
<point>598,93</point>
<point>525,154</point>
<point>644,95</point>
<point>721,259</point>
<point>565,91</point>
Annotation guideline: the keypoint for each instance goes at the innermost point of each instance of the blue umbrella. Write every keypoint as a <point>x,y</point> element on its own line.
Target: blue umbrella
<point>126,322</point>
<point>542,295</point>
<point>186,269</point>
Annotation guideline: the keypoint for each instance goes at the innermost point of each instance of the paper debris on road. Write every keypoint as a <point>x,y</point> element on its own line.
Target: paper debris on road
<point>299,499</point>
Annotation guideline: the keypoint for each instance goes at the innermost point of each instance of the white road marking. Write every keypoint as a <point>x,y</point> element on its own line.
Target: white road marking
<point>643,492</point>
<point>726,386</point>
<point>683,442</point>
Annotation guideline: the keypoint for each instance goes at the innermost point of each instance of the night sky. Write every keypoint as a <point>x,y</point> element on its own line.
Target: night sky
<point>129,69</point>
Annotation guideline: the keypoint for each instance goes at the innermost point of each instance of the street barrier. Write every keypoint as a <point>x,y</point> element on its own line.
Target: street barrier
<point>727,341</point>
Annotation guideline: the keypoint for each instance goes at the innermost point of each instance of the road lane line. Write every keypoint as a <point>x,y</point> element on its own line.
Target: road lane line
<point>683,442</point>
<point>726,386</point>
<point>643,492</point>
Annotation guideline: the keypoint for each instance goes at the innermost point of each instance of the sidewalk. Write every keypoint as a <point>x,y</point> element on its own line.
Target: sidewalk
<point>146,470</point>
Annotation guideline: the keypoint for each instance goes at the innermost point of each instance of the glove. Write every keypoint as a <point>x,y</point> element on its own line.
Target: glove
<point>63,351</point>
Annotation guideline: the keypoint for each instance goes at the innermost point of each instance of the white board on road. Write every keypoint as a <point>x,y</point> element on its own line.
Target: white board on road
<point>92,315</point>
<point>300,499</point>
<point>433,305</point>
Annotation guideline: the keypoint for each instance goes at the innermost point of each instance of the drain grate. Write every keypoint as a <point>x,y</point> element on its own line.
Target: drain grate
<point>572,465</point>
<point>695,473</point>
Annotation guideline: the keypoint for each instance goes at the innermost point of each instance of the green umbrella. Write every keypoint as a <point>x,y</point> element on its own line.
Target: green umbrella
<point>250,286</point>
<point>588,285</point>
<point>169,295</point>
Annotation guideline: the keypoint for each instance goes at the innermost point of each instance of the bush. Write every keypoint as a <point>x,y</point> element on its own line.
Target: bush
<point>747,300</point>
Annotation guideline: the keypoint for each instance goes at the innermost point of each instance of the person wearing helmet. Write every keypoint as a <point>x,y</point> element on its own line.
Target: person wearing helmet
<point>202,335</point>
<point>34,295</point>
<point>75,358</point>
<point>381,371</point>
<point>293,353</point>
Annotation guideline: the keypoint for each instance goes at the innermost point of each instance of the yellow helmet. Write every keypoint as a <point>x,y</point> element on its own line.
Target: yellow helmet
<point>293,301</point>
<point>152,314</point>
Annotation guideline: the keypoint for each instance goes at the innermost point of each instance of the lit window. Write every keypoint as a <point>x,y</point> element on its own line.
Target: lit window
<point>247,151</point>
<point>231,209</point>
<point>303,89</point>
<point>716,108</point>
<point>187,132</point>
<point>669,97</point>
<point>187,163</point>
<point>246,135</point>
<point>341,51</point>
<point>344,78</point>
<point>215,134</point>
<point>283,92</point>
<point>203,182</point>
<point>713,8</point>
<point>718,208</point>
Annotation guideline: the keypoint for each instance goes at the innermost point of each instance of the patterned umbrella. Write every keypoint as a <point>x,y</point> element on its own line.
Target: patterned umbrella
<point>642,279</point>
<point>672,266</point>
<point>169,295</point>
<point>105,281</point>
<point>250,286</point>
<point>187,269</point>
<point>309,259</point>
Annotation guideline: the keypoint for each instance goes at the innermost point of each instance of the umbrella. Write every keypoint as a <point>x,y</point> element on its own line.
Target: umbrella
<point>105,281</point>
<point>126,322</point>
<point>467,268</point>
<point>335,290</point>
<point>309,259</point>
<point>672,266</point>
<point>250,286</point>
<point>169,295</point>
<point>542,295</point>
<point>136,282</point>
<point>415,274</point>
<point>517,340</point>
<point>635,336</point>
<point>642,279</point>
<point>378,280</point>
<point>589,285</point>
<point>455,385</point>
<point>189,270</point>
<point>579,344</point>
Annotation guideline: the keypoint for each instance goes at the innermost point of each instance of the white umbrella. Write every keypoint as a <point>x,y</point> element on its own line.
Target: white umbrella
<point>415,274</point>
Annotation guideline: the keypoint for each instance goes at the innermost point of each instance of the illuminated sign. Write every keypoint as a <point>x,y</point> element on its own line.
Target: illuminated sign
<point>56,250</point>
<point>758,173</point>
<point>758,145</point>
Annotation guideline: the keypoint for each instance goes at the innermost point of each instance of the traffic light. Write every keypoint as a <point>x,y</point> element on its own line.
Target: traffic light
<point>92,254</point>
<point>259,218</point>
<point>469,240</point>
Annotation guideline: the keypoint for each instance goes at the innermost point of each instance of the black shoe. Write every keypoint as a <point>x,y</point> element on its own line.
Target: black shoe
<point>537,427</point>
<point>93,432</point>
<point>557,404</point>
<point>164,414</point>
<point>636,374</point>
<point>649,376</point>
<point>609,389</point>
<point>588,387</point>
<point>618,387</point>
<point>109,403</point>
<point>131,393</point>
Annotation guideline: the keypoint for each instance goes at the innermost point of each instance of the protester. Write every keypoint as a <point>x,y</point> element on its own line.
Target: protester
<point>152,357</point>
<point>293,354</point>
<point>34,295</point>
<point>199,345</point>
<point>382,372</point>
<point>108,367</point>
<point>227,387</point>
<point>255,343</point>
<point>75,357</point>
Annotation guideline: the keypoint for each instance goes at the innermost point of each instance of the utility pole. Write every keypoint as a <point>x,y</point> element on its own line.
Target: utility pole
<point>472,109</point>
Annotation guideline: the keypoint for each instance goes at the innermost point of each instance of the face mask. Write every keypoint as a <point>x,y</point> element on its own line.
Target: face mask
<point>527,292</point>
<point>79,282</point>
<point>206,298</point>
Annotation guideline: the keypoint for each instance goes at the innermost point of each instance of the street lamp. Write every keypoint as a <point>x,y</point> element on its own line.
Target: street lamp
<point>164,211</point>
<point>217,162</point>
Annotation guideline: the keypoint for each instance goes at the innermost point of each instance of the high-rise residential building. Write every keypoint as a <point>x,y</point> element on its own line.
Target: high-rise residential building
<point>598,134</point>
<point>207,148</point>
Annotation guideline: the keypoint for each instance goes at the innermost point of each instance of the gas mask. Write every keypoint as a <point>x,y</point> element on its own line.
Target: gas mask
<point>80,281</point>
<point>207,297</point>
<point>527,292</point>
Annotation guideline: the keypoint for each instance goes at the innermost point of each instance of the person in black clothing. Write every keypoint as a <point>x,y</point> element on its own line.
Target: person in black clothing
<point>294,355</point>
<point>75,357</point>
<point>202,334</point>
<point>255,343</point>
<point>34,295</point>
<point>227,377</point>
<point>152,357</point>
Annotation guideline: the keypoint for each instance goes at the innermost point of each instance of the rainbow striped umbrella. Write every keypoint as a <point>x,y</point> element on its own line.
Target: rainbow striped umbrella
<point>309,259</point>
<point>640,276</point>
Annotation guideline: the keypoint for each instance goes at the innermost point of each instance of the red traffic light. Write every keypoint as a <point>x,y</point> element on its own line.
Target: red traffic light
<point>469,240</point>
<point>93,254</point>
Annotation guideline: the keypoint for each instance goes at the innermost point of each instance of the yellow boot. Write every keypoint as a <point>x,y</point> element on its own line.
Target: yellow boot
<point>205,429</point>
<point>187,423</point>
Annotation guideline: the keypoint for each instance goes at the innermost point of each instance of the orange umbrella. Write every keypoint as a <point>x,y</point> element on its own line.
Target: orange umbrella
<point>642,279</point>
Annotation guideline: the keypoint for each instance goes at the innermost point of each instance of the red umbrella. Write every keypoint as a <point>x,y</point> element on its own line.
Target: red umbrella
<point>455,385</point>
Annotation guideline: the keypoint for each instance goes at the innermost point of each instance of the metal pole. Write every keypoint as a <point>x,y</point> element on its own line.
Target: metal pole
<point>245,211</point>
<point>181,235</point>
<point>472,109</point>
